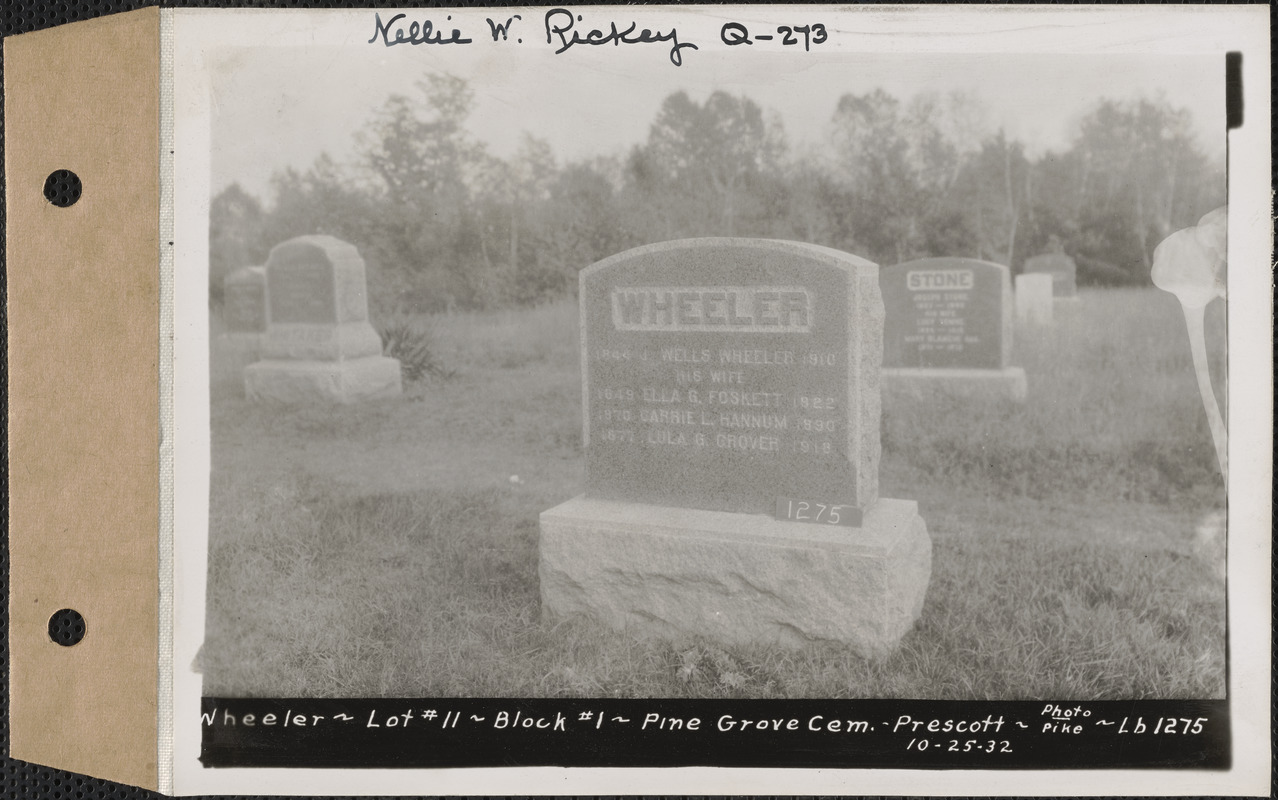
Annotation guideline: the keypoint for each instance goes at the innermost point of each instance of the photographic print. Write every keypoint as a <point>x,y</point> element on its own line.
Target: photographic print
<point>658,376</point>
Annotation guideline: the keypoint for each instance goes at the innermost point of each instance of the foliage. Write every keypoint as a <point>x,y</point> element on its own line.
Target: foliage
<point>710,163</point>
<point>444,224</point>
<point>580,222</point>
<point>413,345</point>
<point>897,166</point>
<point>992,195</point>
<point>235,222</point>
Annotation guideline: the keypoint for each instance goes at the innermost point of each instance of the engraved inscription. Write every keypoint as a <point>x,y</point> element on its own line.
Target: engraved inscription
<point>726,390</point>
<point>944,313</point>
<point>738,309</point>
<point>301,291</point>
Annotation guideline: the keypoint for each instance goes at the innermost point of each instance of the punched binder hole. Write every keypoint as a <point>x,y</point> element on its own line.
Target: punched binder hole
<point>66,627</point>
<point>62,187</point>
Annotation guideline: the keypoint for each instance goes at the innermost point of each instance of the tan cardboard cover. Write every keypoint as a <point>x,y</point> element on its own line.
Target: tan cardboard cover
<point>83,339</point>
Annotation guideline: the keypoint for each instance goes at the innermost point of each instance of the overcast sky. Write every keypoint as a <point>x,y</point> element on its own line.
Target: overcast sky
<point>275,107</point>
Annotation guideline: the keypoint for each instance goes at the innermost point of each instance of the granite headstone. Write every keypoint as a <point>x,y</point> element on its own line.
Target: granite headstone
<point>731,426</point>
<point>319,344</point>
<point>946,312</point>
<point>719,375</point>
<point>949,327</point>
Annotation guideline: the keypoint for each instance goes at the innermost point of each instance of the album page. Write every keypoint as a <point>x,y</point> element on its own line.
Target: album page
<point>719,400</point>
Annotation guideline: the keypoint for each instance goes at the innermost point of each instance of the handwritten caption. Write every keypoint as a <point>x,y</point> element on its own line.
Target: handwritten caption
<point>472,732</point>
<point>989,734</point>
<point>564,29</point>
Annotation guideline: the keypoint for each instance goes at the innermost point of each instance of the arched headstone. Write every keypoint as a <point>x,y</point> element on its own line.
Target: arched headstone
<point>948,328</point>
<point>319,345</point>
<point>731,425</point>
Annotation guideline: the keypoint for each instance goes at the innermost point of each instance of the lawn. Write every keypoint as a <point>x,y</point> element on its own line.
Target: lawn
<point>390,548</point>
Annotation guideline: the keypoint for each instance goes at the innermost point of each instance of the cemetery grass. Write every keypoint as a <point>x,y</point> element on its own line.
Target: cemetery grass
<point>390,549</point>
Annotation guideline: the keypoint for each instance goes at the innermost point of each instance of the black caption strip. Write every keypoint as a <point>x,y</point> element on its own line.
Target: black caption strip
<point>723,733</point>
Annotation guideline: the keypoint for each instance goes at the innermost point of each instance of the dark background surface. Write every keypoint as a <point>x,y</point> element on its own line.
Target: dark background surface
<point>20,779</point>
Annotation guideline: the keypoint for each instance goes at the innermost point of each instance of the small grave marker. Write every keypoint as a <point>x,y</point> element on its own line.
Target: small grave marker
<point>949,328</point>
<point>318,343</point>
<point>1060,266</point>
<point>1034,298</point>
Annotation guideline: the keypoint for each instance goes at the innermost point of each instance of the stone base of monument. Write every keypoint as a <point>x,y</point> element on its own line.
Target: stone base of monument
<point>923,384</point>
<point>347,381</point>
<point>738,579</point>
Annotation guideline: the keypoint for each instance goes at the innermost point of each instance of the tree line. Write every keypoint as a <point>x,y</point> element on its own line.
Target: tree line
<point>442,223</point>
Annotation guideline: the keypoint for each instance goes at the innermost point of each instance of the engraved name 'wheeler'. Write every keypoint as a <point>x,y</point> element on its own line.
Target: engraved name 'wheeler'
<point>739,309</point>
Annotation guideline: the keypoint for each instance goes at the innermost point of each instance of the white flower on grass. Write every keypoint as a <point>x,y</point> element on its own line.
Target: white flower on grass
<point>1191,264</point>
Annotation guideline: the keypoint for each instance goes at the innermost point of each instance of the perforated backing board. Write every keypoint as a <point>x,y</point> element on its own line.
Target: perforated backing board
<point>83,338</point>
<point>93,687</point>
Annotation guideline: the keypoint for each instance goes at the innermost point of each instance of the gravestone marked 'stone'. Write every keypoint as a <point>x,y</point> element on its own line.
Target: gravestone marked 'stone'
<point>730,389</point>
<point>319,345</point>
<point>949,328</point>
<point>1034,298</point>
<point>946,312</point>
<point>1060,266</point>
